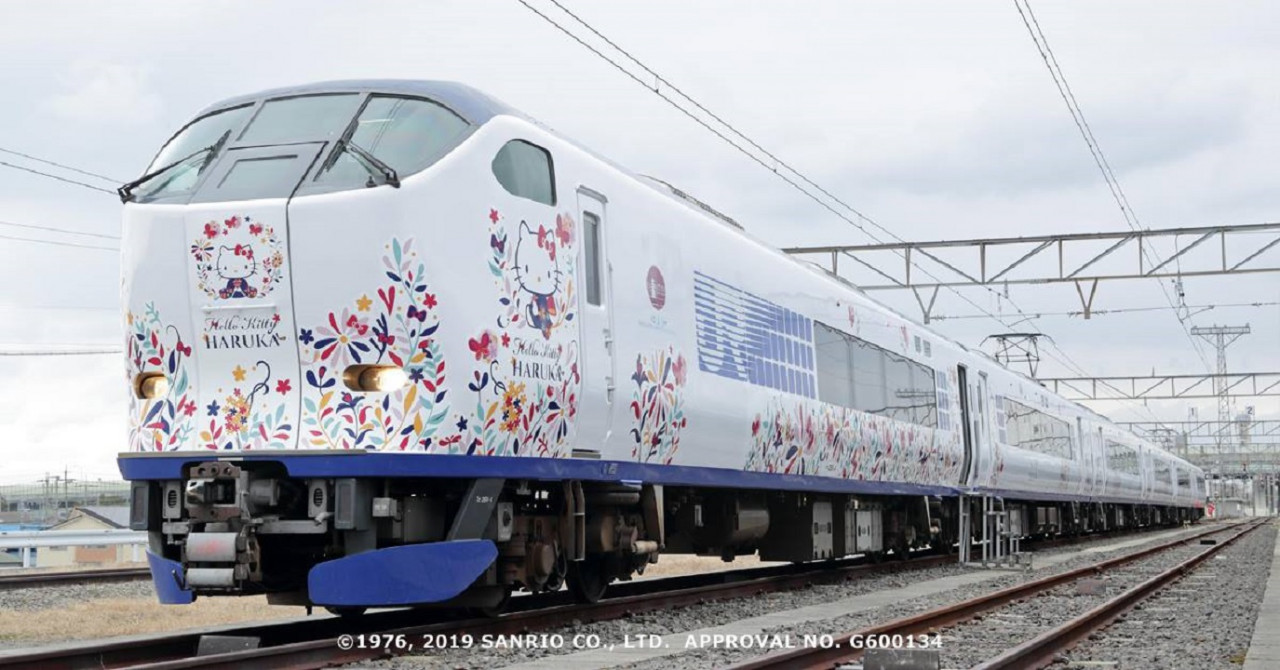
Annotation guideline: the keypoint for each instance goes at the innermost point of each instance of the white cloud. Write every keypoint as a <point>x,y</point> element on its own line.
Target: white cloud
<point>106,93</point>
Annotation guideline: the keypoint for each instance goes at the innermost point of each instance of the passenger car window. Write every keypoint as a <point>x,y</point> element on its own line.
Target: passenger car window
<point>591,248</point>
<point>525,170</point>
<point>201,133</point>
<point>407,134</point>
<point>857,374</point>
<point>300,119</point>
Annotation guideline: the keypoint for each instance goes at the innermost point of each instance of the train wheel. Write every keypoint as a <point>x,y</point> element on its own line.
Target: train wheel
<point>587,578</point>
<point>347,612</point>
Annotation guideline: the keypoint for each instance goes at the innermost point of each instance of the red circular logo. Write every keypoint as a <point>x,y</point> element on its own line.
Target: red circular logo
<point>657,287</point>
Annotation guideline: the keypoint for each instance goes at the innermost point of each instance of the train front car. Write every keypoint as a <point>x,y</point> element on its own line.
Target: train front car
<point>299,265</point>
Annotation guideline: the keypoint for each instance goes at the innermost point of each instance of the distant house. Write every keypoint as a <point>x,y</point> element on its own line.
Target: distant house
<point>90,517</point>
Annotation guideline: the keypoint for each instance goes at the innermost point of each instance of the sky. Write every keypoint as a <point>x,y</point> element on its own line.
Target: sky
<point>937,119</point>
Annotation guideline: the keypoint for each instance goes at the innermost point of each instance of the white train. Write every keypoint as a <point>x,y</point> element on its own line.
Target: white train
<point>394,342</point>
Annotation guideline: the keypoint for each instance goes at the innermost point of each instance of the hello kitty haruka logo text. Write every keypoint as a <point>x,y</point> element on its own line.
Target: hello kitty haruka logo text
<point>236,258</point>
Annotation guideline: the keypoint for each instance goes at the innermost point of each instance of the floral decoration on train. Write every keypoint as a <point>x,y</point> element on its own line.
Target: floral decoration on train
<point>394,324</point>
<point>657,406</point>
<point>237,257</point>
<point>811,438</point>
<point>237,418</point>
<point>518,415</point>
<point>163,424</point>
<point>526,379</point>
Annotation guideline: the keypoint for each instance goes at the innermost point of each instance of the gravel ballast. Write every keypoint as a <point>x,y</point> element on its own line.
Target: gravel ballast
<point>989,635</point>
<point>1204,621</point>
<point>684,619</point>
<point>41,597</point>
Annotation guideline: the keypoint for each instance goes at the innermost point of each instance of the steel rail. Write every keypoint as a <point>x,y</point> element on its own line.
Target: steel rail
<point>39,579</point>
<point>844,649</point>
<point>1042,649</point>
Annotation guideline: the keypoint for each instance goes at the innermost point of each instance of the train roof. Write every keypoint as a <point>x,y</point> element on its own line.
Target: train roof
<point>471,104</point>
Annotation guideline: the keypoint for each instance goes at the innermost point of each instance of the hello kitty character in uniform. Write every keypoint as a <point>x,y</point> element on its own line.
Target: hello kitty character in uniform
<point>236,265</point>
<point>538,273</point>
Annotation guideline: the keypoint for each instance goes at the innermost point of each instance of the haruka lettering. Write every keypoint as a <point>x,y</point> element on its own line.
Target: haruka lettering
<point>251,341</point>
<point>535,359</point>
<point>239,331</point>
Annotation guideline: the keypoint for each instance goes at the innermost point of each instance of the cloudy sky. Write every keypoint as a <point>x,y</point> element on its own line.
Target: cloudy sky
<point>937,119</point>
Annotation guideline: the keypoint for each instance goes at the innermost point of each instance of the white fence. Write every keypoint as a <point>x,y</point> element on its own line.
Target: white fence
<point>26,540</point>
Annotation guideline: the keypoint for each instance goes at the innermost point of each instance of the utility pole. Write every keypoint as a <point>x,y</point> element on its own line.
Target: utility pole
<point>1221,337</point>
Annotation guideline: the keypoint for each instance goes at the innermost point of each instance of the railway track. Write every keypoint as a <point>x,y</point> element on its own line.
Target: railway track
<point>1044,648</point>
<point>29,580</point>
<point>1034,653</point>
<point>313,642</point>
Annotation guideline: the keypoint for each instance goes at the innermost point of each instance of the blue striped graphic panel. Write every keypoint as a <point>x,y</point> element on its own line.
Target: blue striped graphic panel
<point>745,337</point>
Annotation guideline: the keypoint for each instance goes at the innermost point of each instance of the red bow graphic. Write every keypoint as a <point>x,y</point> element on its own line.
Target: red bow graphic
<point>547,242</point>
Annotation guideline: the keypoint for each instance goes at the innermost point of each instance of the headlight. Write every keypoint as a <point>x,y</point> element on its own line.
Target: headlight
<point>150,385</point>
<point>374,378</point>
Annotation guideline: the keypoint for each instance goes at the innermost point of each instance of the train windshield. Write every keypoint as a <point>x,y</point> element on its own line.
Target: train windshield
<point>361,134</point>
<point>203,132</point>
<point>302,119</point>
<point>407,134</point>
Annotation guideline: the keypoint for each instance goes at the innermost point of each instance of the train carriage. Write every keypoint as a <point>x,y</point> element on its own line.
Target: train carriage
<point>395,343</point>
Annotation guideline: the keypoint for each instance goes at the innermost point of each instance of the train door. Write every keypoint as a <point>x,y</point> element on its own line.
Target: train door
<point>241,225</point>
<point>966,423</point>
<point>1144,473</point>
<point>982,433</point>
<point>595,410</point>
<point>1084,458</point>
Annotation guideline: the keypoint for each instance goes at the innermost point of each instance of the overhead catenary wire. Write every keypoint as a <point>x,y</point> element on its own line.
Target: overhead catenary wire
<point>53,229</point>
<point>46,161</point>
<point>54,176</point>
<point>773,164</point>
<point>58,242</point>
<point>778,162</point>
<point>1118,310</point>
<point>72,308</point>
<point>83,351</point>
<point>1099,158</point>
<point>768,160</point>
<point>1069,362</point>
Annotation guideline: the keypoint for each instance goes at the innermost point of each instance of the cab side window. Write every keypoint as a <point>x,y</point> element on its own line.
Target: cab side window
<point>525,170</point>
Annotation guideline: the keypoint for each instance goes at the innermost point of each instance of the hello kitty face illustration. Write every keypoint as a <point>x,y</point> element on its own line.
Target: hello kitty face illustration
<point>236,265</point>
<point>235,262</point>
<point>537,270</point>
